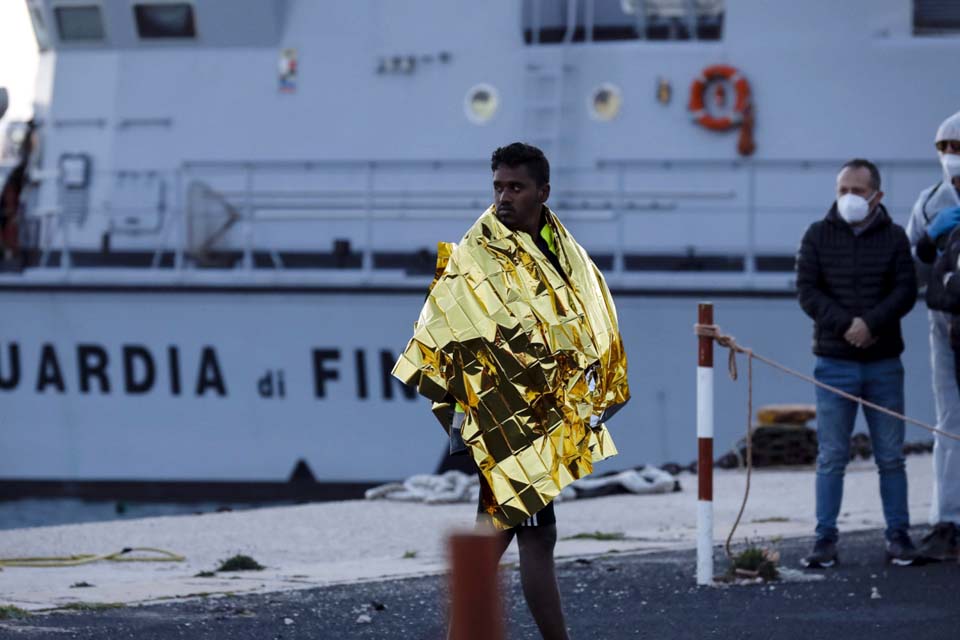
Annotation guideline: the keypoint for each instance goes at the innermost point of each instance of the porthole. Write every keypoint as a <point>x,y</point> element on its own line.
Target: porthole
<point>481,103</point>
<point>605,102</point>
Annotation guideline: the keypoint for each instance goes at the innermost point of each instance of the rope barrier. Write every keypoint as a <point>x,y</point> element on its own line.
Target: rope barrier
<point>87,558</point>
<point>713,332</point>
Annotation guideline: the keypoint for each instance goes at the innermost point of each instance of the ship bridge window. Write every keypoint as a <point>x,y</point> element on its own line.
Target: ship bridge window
<point>936,17</point>
<point>80,23</point>
<point>165,20</point>
<point>555,21</point>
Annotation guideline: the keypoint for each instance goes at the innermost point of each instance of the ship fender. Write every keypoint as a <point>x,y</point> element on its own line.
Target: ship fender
<point>740,116</point>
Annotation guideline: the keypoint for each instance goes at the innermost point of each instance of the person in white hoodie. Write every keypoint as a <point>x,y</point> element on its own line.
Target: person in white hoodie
<point>935,214</point>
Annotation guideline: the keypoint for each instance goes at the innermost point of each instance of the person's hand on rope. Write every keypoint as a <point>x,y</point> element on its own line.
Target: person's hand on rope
<point>859,334</point>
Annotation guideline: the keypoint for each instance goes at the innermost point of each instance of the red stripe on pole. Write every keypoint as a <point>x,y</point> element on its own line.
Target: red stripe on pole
<point>705,468</point>
<point>705,351</point>
<point>475,608</point>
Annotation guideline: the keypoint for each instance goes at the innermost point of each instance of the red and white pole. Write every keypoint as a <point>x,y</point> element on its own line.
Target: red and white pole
<point>705,449</point>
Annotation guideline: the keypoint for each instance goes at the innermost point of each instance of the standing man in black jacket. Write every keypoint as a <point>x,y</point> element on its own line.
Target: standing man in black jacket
<point>856,279</point>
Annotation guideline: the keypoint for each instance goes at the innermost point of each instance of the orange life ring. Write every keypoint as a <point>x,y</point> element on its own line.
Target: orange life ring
<point>698,90</point>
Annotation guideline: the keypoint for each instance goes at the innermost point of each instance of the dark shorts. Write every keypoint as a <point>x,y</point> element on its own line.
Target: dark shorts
<point>542,518</point>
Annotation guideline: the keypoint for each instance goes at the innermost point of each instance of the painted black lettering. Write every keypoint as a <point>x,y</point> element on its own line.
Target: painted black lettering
<point>209,375</point>
<point>386,366</point>
<point>133,353</point>
<point>361,363</point>
<point>49,371</point>
<point>173,360</point>
<point>281,388</point>
<point>265,385</point>
<point>11,379</point>
<point>320,373</point>
<point>92,363</point>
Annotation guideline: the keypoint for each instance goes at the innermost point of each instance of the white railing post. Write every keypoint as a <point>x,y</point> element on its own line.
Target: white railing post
<point>367,255</point>
<point>619,258</point>
<point>750,259</point>
<point>66,260</point>
<point>705,449</point>
<point>248,218</point>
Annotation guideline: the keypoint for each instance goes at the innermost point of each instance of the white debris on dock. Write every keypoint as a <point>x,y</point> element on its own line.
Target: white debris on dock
<point>456,486</point>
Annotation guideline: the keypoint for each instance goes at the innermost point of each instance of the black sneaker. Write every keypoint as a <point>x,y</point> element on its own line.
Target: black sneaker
<point>900,550</point>
<point>824,555</point>
<point>941,543</point>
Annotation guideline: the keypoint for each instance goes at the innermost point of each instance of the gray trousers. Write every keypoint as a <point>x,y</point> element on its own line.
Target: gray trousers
<point>945,503</point>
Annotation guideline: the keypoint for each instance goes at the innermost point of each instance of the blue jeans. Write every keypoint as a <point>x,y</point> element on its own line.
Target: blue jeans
<point>880,382</point>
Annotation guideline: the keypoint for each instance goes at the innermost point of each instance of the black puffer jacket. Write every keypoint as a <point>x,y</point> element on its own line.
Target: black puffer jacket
<point>943,288</point>
<point>841,276</point>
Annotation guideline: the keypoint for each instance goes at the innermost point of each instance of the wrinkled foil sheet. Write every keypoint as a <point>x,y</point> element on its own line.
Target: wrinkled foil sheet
<point>538,364</point>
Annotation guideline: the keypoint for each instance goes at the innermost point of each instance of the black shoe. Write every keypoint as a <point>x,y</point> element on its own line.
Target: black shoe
<point>824,555</point>
<point>941,543</point>
<point>900,550</point>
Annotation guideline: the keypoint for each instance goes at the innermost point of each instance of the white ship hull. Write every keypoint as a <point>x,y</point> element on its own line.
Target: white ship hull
<point>238,386</point>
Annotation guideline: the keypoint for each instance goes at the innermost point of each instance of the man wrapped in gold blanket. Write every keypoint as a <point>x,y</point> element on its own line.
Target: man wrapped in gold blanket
<point>520,332</point>
<point>519,349</point>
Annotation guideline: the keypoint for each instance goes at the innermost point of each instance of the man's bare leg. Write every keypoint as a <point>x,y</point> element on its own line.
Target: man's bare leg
<point>539,579</point>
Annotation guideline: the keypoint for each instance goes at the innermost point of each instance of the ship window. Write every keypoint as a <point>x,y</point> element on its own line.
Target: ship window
<point>79,23</point>
<point>165,20</point>
<point>481,103</point>
<point>549,21</point>
<point>605,102</point>
<point>40,28</point>
<point>933,17</point>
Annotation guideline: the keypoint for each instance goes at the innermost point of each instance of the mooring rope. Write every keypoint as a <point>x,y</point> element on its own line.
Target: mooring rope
<point>729,342</point>
<point>87,558</point>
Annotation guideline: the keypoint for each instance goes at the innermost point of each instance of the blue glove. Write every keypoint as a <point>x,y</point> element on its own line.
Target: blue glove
<point>944,222</point>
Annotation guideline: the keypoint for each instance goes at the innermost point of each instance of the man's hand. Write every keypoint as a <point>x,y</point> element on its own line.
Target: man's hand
<point>944,222</point>
<point>859,334</point>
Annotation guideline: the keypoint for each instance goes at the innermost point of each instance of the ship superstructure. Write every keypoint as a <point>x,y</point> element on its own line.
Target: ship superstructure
<point>232,207</point>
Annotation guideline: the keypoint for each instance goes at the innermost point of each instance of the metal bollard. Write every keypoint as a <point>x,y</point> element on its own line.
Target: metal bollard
<point>476,611</point>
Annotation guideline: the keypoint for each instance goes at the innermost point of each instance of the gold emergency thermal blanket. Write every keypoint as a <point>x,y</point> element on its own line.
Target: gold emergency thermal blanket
<point>535,360</point>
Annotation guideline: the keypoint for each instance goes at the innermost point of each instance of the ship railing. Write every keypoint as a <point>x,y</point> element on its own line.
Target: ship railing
<point>647,221</point>
<point>548,22</point>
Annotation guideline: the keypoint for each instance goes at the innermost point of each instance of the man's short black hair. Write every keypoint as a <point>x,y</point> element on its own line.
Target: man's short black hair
<point>860,163</point>
<point>522,154</point>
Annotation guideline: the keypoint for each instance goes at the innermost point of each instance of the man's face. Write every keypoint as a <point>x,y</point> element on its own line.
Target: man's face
<point>950,147</point>
<point>518,199</point>
<point>856,180</point>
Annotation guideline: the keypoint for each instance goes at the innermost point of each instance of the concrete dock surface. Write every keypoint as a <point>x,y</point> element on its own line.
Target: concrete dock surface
<point>608,597</point>
<point>327,562</point>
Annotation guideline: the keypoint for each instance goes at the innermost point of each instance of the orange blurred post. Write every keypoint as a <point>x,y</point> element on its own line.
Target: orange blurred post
<point>476,612</point>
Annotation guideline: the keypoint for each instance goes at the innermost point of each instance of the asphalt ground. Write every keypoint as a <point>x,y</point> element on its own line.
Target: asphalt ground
<point>612,597</point>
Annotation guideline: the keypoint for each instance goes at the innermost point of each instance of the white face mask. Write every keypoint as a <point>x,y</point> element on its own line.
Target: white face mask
<point>853,208</point>
<point>951,165</point>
